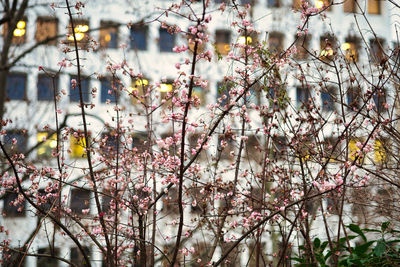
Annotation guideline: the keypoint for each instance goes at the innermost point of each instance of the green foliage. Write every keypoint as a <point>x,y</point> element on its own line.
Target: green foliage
<point>384,251</point>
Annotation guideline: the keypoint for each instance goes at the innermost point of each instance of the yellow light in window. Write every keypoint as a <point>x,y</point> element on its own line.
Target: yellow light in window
<point>379,151</point>
<point>48,143</point>
<point>346,46</point>
<point>319,4</point>
<point>21,24</point>
<point>81,28</point>
<point>142,82</point>
<point>227,47</point>
<point>327,52</point>
<point>107,38</point>
<point>77,146</point>
<point>164,87</point>
<point>131,89</point>
<point>19,32</point>
<point>242,39</point>
<point>79,36</point>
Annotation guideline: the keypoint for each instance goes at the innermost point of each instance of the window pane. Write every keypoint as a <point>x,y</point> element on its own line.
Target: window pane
<point>223,41</point>
<point>46,88</point>
<point>374,7</point>
<point>139,37</point>
<point>81,28</point>
<point>328,47</point>
<point>47,261</point>
<point>273,3</point>
<point>74,92</point>
<point>275,42</point>
<point>166,41</point>
<point>77,146</point>
<point>302,45</point>
<point>11,207</point>
<point>13,258</point>
<point>77,256</point>
<point>48,143</point>
<point>18,136</point>
<point>302,95</point>
<point>46,28</point>
<point>108,34</point>
<point>223,93</point>
<point>376,49</point>
<point>350,48</point>
<point>353,97</point>
<point>80,200</point>
<point>349,6</point>
<point>15,88</point>
<point>138,90</point>
<point>107,92</point>
<point>139,143</point>
<point>328,97</point>
<point>19,33</point>
<point>379,100</point>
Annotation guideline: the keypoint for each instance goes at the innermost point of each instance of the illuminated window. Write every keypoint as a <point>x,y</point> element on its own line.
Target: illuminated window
<point>48,261</point>
<point>139,37</point>
<point>108,34</point>
<point>166,89</point>
<point>77,146</point>
<point>107,92</point>
<point>77,257</point>
<point>350,48</point>
<point>138,90</point>
<point>328,98</point>
<point>74,92</point>
<point>46,28</point>
<point>15,87</point>
<point>376,49</point>
<point>222,41</point>
<point>80,200</point>
<point>354,149</point>
<point>302,46</point>
<point>21,139</point>
<point>349,6</point>
<point>19,33</point>
<point>47,144</point>
<point>275,42</point>
<point>81,29</point>
<point>45,87</point>
<point>322,4</point>
<point>380,151</point>
<point>374,6</point>
<point>166,40</point>
<point>328,47</point>
<point>353,97</point>
<point>11,207</point>
<point>273,3</point>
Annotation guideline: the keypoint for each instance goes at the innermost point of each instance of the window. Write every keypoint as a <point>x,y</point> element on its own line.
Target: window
<point>297,4</point>
<point>225,146</point>
<point>273,3</point>
<point>81,28</point>
<point>302,46</point>
<point>380,99</point>
<point>381,147</point>
<point>48,143</point>
<point>275,42</point>
<point>328,98</point>
<point>253,149</point>
<point>139,37</point>
<point>12,207</point>
<point>139,142</point>
<point>19,33</point>
<point>48,261</point>
<point>138,90</point>
<point>376,49</point>
<point>302,95</point>
<point>166,90</point>
<point>374,7</point>
<point>331,148</point>
<point>328,47</point>
<point>349,6</point>
<point>18,136</point>
<point>223,93</point>
<point>16,84</point>
<point>12,257</point>
<point>46,28</point>
<point>77,147</point>
<point>223,41</point>
<point>199,93</point>
<point>353,98</point>
<point>74,89</point>
<point>109,143</point>
<point>106,202</point>
<point>47,200</point>
<point>350,48</point>
<point>77,257</point>
<point>166,40</point>
<point>108,34</point>
<point>170,203</point>
<point>80,200</point>
<point>277,147</point>
<point>320,4</point>
<point>46,87</point>
<point>107,91</point>
<point>354,146</point>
